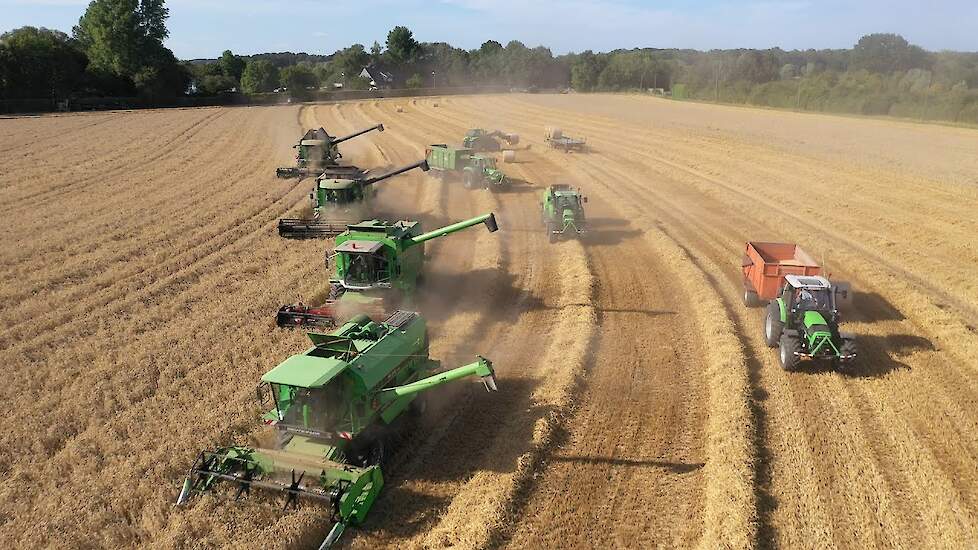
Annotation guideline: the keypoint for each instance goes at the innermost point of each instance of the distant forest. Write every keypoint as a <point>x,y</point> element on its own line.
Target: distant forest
<point>117,50</point>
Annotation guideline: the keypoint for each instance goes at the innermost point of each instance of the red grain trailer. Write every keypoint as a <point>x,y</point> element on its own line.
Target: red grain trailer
<point>766,264</point>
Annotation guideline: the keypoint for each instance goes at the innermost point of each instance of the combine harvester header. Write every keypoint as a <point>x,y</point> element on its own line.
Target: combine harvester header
<point>335,409</point>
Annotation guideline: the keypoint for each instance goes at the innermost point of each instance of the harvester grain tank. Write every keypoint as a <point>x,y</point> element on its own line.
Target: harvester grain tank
<point>373,260</point>
<point>318,150</point>
<point>802,317</point>
<point>563,211</point>
<point>475,170</point>
<point>336,409</point>
<point>480,140</point>
<point>556,138</point>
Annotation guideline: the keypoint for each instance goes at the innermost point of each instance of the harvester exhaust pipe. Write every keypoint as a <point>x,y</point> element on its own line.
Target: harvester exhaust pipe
<point>423,165</point>
<point>378,127</point>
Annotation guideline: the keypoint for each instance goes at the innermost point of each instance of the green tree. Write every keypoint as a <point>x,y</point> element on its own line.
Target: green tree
<point>375,51</point>
<point>401,45</point>
<point>885,53</point>
<point>37,62</point>
<point>124,38</point>
<point>416,81</point>
<point>231,65</point>
<point>297,78</point>
<point>350,61</point>
<point>259,76</point>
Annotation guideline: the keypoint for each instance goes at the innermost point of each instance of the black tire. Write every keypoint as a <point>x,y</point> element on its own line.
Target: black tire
<point>372,453</point>
<point>750,298</point>
<point>773,327</point>
<point>553,236</point>
<point>786,352</point>
<point>847,348</point>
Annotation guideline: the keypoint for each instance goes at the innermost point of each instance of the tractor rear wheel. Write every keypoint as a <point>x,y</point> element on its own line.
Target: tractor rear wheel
<point>773,327</point>
<point>789,346</point>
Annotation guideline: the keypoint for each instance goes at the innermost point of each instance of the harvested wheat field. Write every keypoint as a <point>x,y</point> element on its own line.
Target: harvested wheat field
<point>639,406</point>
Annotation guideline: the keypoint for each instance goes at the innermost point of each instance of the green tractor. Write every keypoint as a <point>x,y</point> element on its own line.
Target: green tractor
<point>374,260</point>
<point>803,322</point>
<point>480,140</point>
<point>317,151</point>
<point>336,410</point>
<point>563,211</point>
<point>476,171</point>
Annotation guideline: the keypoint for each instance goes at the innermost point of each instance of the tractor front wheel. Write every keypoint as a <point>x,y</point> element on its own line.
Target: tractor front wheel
<point>773,327</point>
<point>789,346</point>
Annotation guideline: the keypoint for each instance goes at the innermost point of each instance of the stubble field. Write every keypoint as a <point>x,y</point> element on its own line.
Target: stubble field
<point>638,404</point>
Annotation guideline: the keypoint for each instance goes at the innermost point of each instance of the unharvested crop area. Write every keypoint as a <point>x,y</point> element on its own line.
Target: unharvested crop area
<point>638,404</point>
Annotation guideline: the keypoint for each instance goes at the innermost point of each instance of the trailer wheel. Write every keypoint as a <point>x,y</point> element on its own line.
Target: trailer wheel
<point>773,327</point>
<point>786,355</point>
<point>750,298</point>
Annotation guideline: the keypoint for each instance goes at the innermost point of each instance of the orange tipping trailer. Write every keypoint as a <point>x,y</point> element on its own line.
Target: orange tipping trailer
<point>766,264</point>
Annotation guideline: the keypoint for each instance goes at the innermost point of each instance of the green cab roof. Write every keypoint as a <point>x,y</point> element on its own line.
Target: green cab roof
<point>305,371</point>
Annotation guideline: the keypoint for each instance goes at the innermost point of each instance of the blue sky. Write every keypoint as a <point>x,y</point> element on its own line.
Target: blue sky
<point>204,28</point>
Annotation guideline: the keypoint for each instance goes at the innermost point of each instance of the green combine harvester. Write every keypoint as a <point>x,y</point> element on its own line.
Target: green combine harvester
<point>563,211</point>
<point>374,261</point>
<point>317,151</point>
<point>803,322</point>
<point>338,190</point>
<point>353,188</point>
<point>336,410</point>
<point>480,140</point>
<point>476,171</point>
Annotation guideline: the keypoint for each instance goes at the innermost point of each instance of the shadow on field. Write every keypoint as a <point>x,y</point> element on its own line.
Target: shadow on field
<point>872,308</point>
<point>518,187</point>
<point>879,355</point>
<point>674,467</point>
<point>444,294</point>
<point>412,515</point>
<point>472,432</point>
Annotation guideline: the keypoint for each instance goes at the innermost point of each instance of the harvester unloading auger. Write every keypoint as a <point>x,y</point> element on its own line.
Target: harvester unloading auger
<point>336,409</point>
<point>317,151</point>
<point>336,190</point>
<point>373,259</point>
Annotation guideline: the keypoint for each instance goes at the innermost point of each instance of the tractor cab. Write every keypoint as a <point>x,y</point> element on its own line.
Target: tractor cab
<point>809,294</point>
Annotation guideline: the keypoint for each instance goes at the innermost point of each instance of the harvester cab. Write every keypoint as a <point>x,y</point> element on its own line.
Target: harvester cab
<point>563,211</point>
<point>335,410</point>
<point>480,140</point>
<point>803,322</point>
<point>357,187</point>
<point>316,151</point>
<point>372,259</point>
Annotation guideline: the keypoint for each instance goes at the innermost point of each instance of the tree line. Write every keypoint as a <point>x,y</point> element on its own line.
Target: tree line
<point>117,50</point>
